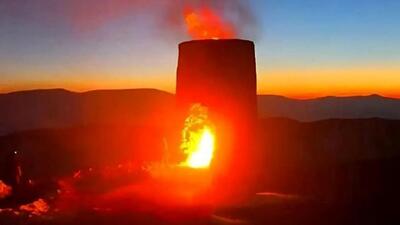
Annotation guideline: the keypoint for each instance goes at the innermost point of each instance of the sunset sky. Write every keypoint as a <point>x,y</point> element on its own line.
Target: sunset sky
<point>304,48</point>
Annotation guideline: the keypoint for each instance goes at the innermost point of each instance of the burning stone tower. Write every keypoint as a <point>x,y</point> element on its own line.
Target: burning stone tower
<point>221,75</point>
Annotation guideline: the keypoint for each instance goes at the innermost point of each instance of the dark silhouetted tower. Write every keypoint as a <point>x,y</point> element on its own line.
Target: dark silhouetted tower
<point>221,74</point>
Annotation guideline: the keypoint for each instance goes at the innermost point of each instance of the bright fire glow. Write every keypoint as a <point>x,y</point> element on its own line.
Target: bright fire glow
<point>198,141</point>
<point>203,152</point>
<point>205,23</point>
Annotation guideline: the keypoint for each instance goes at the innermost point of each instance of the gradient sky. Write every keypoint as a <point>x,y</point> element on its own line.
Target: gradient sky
<point>304,48</point>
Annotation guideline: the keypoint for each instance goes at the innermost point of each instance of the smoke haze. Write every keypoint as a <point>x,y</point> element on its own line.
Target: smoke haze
<point>167,16</point>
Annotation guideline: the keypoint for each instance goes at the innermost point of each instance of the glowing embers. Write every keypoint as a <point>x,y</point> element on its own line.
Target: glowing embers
<point>205,23</point>
<point>198,138</point>
<point>5,190</point>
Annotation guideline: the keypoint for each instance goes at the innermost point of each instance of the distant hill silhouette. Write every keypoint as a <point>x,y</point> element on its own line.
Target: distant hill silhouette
<point>372,106</point>
<point>57,108</point>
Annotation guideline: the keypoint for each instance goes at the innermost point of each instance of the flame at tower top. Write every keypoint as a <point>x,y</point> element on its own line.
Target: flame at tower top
<point>205,23</point>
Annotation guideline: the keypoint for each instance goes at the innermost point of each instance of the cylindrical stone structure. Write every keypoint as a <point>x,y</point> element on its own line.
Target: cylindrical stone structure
<point>217,73</point>
<point>221,75</point>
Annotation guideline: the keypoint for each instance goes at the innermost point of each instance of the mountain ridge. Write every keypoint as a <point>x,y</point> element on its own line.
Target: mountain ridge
<point>50,108</point>
<point>158,90</point>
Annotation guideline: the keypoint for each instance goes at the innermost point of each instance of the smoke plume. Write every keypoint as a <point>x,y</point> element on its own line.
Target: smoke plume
<point>225,18</point>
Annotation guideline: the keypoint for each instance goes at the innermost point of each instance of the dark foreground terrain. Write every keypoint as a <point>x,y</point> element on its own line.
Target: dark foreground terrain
<point>341,171</point>
<point>86,157</point>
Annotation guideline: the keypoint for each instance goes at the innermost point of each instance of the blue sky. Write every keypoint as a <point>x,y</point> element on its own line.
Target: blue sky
<point>304,48</point>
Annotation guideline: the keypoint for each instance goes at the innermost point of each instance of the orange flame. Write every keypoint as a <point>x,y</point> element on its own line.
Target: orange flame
<point>198,138</point>
<point>5,190</point>
<point>205,23</point>
<point>37,208</point>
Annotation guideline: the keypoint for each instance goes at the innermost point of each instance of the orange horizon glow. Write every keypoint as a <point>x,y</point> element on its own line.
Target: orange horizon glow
<point>320,82</point>
<point>295,83</point>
